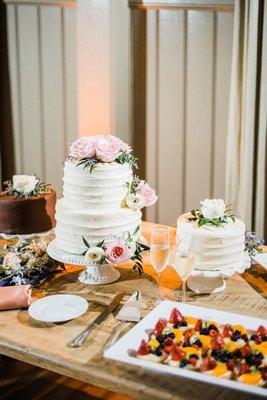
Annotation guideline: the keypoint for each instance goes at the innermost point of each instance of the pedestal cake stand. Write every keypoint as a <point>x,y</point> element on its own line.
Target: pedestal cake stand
<point>93,274</point>
<point>204,282</point>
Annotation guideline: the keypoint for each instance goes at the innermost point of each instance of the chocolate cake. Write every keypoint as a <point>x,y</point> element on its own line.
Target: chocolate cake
<point>21,215</point>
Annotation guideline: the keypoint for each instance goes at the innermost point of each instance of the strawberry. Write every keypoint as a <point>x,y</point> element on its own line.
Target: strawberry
<point>193,361</point>
<point>244,368</point>
<point>246,350</point>
<point>144,348</point>
<point>198,325</point>
<point>227,331</point>
<point>213,332</point>
<point>175,316</point>
<point>160,325</point>
<point>230,364</point>
<point>168,342</point>
<point>207,364</point>
<point>261,331</point>
<point>177,353</point>
<point>217,343</point>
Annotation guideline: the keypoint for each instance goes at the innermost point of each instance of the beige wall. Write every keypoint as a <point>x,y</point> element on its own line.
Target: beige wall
<point>188,76</point>
<point>187,56</point>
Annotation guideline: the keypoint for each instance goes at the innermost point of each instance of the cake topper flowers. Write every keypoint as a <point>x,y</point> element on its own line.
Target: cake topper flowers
<point>213,212</point>
<point>25,186</point>
<point>89,151</point>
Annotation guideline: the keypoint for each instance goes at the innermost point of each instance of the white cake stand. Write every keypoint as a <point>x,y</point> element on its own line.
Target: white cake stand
<point>206,282</point>
<point>93,274</point>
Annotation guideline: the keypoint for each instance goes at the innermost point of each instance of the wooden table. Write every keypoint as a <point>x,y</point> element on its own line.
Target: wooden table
<point>45,345</point>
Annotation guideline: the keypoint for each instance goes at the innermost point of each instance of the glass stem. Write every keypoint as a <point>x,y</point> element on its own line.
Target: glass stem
<point>183,290</point>
<point>159,279</point>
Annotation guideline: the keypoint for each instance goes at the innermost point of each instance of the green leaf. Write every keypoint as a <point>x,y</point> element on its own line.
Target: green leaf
<point>86,243</point>
<point>100,244</point>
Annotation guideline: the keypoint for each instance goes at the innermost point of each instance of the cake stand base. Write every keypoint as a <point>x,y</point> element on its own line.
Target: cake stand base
<point>99,274</point>
<point>203,285</point>
<point>93,274</point>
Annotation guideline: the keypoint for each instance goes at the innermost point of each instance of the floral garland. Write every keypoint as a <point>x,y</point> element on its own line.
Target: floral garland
<point>90,151</point>
<point>117,251</point>
<point>213,212</point>
<point>27,263</point>
<point>25,186</point>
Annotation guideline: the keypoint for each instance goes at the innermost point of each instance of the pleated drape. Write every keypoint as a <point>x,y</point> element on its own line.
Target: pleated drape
<point>246,136</point>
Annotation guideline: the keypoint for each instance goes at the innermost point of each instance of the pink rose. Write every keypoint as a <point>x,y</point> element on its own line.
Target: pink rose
<point>123,146</point>
<point>147,193</point>
<point>117,252</point>
<point>11,261</point>
<point>107,149</point>
<point>83,147</point>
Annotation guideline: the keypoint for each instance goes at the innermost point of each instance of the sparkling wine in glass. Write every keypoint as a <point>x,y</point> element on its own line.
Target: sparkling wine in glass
<point>160,249</point>
<point>184,264</point>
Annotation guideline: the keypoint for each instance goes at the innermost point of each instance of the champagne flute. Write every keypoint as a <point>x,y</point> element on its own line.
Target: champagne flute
<point>184,264</point>
<point>160,249</point>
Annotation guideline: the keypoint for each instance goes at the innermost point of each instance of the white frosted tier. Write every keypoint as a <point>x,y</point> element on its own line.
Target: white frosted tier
<point>92,206</point>
<point>215,248</point>
<point>104,188</point>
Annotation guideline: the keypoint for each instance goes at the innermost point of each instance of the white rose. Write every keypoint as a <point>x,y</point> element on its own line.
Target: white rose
<point>94,254</point>
<point>24,184</point>
<point>135,201</point>
<point>11,262</point>
<point>213,208</point>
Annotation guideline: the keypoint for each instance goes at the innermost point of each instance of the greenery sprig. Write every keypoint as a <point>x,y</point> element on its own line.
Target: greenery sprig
<point>198,217</point>
<point>91,163</point>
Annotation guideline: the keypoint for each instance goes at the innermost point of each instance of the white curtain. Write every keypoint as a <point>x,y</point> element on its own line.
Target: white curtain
<point>246,137</point>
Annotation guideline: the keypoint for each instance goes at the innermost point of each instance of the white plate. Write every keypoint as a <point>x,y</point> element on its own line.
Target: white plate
<point>131,341</point>
<point>58,308</point>
<point>261,258</point>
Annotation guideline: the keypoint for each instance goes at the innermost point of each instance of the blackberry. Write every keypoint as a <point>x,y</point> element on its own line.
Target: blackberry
<point>254,359</point>
<point>194,356</point>
<point>171,335</point>
<point>198,343</point>
<point>237,353</point>
<point>160,338</point>
<point>186,344</point>
<point>236,336</point>
<point>216,353</point>
<point>183,363</point>
<point>179,324</point>
<point>244,337</point>
<point>205,331</point>
<point>212,326</point>
<point>264,338</point>
<point>157,352</point>
<point>253,337</point>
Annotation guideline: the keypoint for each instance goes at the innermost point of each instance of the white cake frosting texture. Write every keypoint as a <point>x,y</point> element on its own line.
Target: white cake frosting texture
<point>99,214</point>
<point>215,247</point>
<point>92,206</point>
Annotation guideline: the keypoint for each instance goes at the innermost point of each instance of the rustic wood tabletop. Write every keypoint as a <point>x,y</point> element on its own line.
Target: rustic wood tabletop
<point>45,345</point>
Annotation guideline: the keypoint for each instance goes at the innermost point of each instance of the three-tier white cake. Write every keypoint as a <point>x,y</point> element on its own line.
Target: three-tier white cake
<point>101,197</point>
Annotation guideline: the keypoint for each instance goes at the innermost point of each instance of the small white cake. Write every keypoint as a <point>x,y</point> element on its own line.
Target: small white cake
<point>215,247</point>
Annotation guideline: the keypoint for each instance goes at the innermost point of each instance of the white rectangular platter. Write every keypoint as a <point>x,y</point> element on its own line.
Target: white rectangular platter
<point>131,341</point>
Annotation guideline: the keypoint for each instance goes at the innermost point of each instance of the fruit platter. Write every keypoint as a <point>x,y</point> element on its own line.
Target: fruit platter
<point>228,350</point>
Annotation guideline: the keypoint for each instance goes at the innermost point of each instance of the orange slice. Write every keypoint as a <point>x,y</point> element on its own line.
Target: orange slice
<point>178,335</point>
<point>251,379</point>
<point>191,350</point>
<point>232,346</point>
<point>220,369</point>
<point>191,320</point>
<point>205,341</point>
<point>240,328</point>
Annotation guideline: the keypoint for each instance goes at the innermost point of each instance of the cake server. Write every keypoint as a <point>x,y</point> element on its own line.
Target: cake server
<point>130,312</point>
<point>79,340</point>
